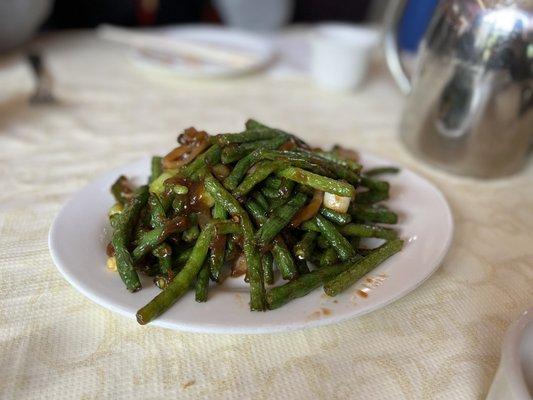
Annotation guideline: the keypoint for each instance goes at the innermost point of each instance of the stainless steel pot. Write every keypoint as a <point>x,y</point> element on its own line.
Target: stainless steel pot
<point>470,101</point>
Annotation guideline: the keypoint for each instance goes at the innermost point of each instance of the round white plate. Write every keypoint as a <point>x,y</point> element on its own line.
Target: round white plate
<point>258,48</point>
<point>80,233</point>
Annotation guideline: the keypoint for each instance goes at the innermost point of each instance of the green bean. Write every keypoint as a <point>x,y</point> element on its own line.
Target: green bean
<point>342,170</point>
<point>271,193</point>
<point>335,238</point>
<point>262,154</point>
<point>281,254</point>
<point>219,212</point>
<point>363,230</point>
<point>121,238</point>
<point>382,170</point>
<point>286,187</point>
<point>157,186</point>
<point>319,182</point>
<point>336,217</point>
<point>328,257</point>
<point>268,268</point>
<point>234,152</point>
<point>250,135</point>
<point>220,171</point>
<point>374,184</point>
<point>231,248</point>
<point>273,182</point>
<point>210,157</point>
<point>353,165</point>
<point>262,171</point>
<point>261,200</point>
<point>278,188</point>
<point>163,252</point>
<point>157,168</point>
<point>114,212</point>
<point>180,189</point>
<point>216,256</point>
<point>166,198</point>
<point>276,203</point>
<point>240,169</point>
<point>377,214</point>
<point>304,248</point>
<point>202,284</point>
<point>257,213</point>
<point>371,197</point>
<point>181,282</point>
<point>253,259</point>
<point>253,124</point>
<point>360,268</point>
<point>191,233</point>
<point>297,159</point>
<point>283,259</point>
<point>157,212</point>
<point>279,219</point>
<point>303,285</point>
<point>151,239</point>
<point>310,226</point>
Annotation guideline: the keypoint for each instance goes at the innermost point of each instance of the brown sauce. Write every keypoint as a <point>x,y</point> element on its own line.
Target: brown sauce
<point>110,250</point>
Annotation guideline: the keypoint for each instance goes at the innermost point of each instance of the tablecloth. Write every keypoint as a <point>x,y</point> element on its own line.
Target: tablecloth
<point>442,341</point>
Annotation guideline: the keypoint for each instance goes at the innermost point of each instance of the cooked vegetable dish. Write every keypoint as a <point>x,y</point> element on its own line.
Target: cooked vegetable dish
<point>261,203</point>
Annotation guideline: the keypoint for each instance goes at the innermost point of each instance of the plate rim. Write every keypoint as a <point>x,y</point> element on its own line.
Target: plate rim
<point>204,327</point>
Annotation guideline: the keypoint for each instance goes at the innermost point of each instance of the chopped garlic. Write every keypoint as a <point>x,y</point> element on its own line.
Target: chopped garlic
<point>112,263</point>
<point>336,203</point>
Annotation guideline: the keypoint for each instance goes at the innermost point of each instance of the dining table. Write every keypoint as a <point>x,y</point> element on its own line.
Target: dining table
<point>441,341</point>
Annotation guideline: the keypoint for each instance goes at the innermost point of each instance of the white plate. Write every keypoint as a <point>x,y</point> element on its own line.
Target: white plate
<point>260,49</point>
<point>80,232</point>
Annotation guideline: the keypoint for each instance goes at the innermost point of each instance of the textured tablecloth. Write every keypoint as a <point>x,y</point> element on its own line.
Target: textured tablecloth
<point>442,341</point>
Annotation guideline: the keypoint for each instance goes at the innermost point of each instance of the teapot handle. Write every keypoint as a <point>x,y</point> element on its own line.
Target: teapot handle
<point>393,16</point>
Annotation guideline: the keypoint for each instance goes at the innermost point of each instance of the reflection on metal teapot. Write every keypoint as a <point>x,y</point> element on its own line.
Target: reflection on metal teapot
<point>470,105</point>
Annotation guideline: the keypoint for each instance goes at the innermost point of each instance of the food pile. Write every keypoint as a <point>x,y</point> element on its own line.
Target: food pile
<point>261,203</point>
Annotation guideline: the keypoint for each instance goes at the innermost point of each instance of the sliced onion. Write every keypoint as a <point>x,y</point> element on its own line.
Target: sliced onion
<point>310,210</point>
<point>183,155</point>
<point>336,203</point>
<point>191,136</point>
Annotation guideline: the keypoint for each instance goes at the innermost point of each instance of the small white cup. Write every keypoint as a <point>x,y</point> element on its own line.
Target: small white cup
<point>341,54</point>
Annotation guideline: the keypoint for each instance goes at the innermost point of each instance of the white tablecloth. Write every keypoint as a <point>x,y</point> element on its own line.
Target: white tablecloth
<point>440,342</point>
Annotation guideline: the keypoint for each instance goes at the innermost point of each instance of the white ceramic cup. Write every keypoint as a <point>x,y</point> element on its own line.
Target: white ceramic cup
<point>341,54</point>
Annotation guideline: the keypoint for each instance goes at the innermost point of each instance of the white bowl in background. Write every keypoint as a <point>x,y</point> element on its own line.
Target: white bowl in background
<point>514,377</point>
<point>20,19</point>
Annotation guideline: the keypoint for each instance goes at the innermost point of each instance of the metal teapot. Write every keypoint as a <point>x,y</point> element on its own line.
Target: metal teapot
<point>470,101</point>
